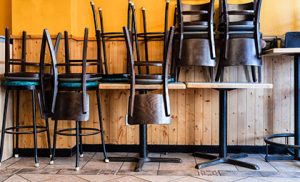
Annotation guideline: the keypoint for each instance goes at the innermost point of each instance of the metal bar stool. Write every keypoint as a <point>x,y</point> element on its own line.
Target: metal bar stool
<point>240,38</point>
<point>146,108</point>
<point>70,98</point>
<point>24,81</point>
<point>107,76</point>
<point>195,43</point>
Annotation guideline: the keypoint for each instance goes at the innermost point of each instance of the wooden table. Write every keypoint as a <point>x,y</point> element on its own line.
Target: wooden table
<point>223,157</point>
<point>296,154</point>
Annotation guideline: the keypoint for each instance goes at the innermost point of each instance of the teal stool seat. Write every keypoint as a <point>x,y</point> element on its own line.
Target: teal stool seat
<point>10,83</point>
<point>115,78</point>
<point>78,84</point>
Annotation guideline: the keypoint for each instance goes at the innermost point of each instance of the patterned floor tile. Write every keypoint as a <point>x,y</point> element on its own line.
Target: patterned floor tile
<point>99,178</point>
<point>49,177</point>
<point>38,171</point>
<point>286,166</point>
<point>189,179</point>
<point>159,178</point>
<point>15,178</point>
<point>220,178</point>
<point>128,178</point>
<point>28,162</point>
<point>240,173</point>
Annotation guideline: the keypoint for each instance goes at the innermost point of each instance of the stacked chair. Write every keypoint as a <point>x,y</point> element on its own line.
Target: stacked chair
<point>150,36</point>
<point>102,38</point>
<point>240,37</point>
<point>24,80</point>
<point>195,42</point>
<point>70,98</point>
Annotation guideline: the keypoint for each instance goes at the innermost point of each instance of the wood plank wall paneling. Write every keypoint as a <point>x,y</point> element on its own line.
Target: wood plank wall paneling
<point>252,113</point>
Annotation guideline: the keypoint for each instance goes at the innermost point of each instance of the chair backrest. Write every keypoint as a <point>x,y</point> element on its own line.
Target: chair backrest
<point>102,35</point>
<point>195,13</point>
<point>10,61</point>
<point>240,12</point>
<point>165,71</point>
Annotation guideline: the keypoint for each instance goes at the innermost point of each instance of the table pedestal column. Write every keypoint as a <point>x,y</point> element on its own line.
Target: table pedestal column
<point>223,155</point>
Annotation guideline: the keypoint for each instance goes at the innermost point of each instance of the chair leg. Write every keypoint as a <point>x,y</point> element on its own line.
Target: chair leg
<point>259,74</point>
<point>16,154</point>
<point>220,74</point>
<point>101,127</point>
<point>80,140</point>
<point>177,73</point>
<point>4,124</point>
<point>77,146</point>
<point>48,136</point>
<point>247,74</point>
<point>54,142</point>
<point>34,130</point>
<point>253,71</point>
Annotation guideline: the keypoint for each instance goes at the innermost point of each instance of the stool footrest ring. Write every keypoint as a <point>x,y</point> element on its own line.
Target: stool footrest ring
<point>11,130</point>
<point>66,132</point>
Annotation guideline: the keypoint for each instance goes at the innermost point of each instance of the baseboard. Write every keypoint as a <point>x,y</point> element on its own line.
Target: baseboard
<point>152,148</point>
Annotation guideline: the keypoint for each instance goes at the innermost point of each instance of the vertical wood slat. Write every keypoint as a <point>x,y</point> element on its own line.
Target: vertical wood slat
<point>252,113</point>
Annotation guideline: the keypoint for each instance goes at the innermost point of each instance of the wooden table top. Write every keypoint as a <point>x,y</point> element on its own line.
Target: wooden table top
<point>229,85</point>
<point>281,51</point>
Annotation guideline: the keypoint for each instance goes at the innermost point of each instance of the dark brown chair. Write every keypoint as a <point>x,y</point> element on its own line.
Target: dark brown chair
<point>154,36</point>
<point>24,80</point>
<point>145,108</point>
<point>240,37</point>
<point>70,98</point>
<point>195,44</point>
<point>102,38</point>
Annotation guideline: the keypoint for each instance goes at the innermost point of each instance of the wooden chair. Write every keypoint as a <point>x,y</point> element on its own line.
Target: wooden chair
<point>196,42</point>
<point>24,80</point>
<point>102,38</point>
<point>70,98</point>
<point>145,108</point>
<point>240,37</point>
<point>154,36</point>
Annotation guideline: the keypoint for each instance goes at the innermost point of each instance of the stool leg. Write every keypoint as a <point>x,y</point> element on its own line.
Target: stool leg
<point>77,146</point>
<point>34,130</point>
<point>17,124</point>
<point>54,142</point>
<point>101,126</point>
<point>48,136</point>
<point>4,124</point>
<point>80,139</point>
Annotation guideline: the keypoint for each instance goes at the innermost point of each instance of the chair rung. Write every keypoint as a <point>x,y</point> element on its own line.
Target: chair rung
<point>63,132</point>
<point>42,129</point>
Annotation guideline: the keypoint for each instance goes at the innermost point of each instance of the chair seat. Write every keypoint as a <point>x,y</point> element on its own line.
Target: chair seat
<point>151,79</point>
<point>115,78</point>
<point>21,83</point>
<point>77,77</point>
<point>195,26</point>
<point>92,84</point>
<point>22,76</point>
<point>238,26</point>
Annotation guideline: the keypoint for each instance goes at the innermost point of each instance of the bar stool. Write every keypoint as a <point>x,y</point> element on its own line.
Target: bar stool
<point>107,76</point>
<point>196,42</point>
<point>146,108</point>
<point>70,98</point>
<point>240,37</point>
<point>23,80</point>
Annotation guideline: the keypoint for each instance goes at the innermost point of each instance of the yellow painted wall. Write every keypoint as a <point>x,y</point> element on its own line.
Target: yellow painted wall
<point>5,15</point>
<point>278,16</point>
<point>35,15</point>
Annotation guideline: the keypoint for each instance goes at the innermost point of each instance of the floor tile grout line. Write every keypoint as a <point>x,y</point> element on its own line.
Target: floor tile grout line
<point>139,178</point>
<point>82,178</point>
<point>240,179</point>
<point>13,162</point>
<point>88,160</point>
<point>21,177</point>
<point>273,167</point>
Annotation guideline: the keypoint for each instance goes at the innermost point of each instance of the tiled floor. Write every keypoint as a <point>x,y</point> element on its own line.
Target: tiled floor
<point>94,169</point>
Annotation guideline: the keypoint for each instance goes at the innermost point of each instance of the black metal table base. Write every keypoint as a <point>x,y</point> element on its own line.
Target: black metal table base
<point>223,154</point>
<point>143,158</point>
<point>141,161</point>
<point>229,160</point>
